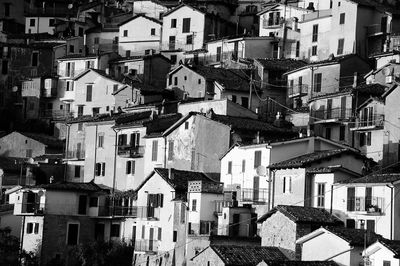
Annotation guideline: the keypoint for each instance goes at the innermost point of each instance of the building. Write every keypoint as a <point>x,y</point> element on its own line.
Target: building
<point>146,41</point>
<point>284,225</point>
<point>151,8</point>
<point>56,216</point>
<point>237,255</point>
<point>102,39</point>
<point>369,202</point>
<point>382,252</point>
<point>164,229</point>
<point>341,245</point>
<point>293,181</point>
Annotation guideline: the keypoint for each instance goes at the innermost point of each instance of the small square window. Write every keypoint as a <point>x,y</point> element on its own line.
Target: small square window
<point>186,125</point>
<point>173,23</point>
<point>199,81</point>
<point>314,50</point>
<point>32,22</point>
<point>125,33</point>
<point>153,32</point>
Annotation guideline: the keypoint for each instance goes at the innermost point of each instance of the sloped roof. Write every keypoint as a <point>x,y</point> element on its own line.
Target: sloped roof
<point>247,255</point>
<point>138,16</point>
<point>281,64</point>
<point>315,157</point>
<point>301,263</point>
<point>375,178</point>
<point>117,117</point>
<point>97,71</point>
<point>355,237</point>
<point>300,214</point>
<point>71,186</point>
<point>49,141</point>
<point>393,245</point>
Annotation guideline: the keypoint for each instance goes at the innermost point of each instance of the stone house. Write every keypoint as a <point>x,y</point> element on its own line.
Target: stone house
<point>339,244</point>
<point>283,225</point>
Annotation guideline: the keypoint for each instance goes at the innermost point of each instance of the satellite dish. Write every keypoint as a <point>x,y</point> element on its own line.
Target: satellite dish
<point>386,71</point>
<point>261,170</point>
<point>31,161</point>
<point>15,89</point>
<point>70,6</point>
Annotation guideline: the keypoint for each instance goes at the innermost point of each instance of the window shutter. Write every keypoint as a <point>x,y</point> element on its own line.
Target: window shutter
<point>128,167</point>
<point>161,200</point>
<point>36,228</point>
<point>159,233</point>
<point>133,167</point>
<point>97,169</point>
<point>155,150</point>
<point>143,231</point>
<point>103,169</point>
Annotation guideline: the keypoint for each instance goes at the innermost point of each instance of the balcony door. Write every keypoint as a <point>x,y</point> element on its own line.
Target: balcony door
<point>256,186</point>
<point>151,237</point>
<point>343,107</point>
<point>329,109</point>
<point>351,193</point>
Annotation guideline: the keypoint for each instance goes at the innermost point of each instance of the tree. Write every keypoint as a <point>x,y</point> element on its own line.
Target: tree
<point>9,247</point>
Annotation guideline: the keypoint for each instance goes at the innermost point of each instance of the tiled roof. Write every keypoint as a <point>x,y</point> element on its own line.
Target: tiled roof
<point>393,245</point>
<point>77,56</point>
<point>355,237</point>
<point>281,64</point>
<point>247,255</point>
<point>231,79</point>
<point>117,117</point>
<point>375,178</point>
<point>71,186</point>
<point>143,16</point>
<point>162,123</point>
<point>301,263</point>
<point>300,214</point>
<point>315,157</point>
<point>179,178</point>
<point>98,71</point>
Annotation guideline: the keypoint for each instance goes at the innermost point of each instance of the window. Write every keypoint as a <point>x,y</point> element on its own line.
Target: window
<point>186,25</point>
<point>36,229</point>
<point>7,9</point>
<point>328,133</point>
<point>386,263</point>
<point>340,46</point>
<point>314,50</point>
<point>159,233</point>
<point>122,140</point>
<point>315,33</point>
<point>194,205</point>
<point>153,31</point>
<point>368,138</point>
<point>234,98</point>
<point>125,33</point>
<point>160,16</point>
<point>219,53</point>
<point>243,166</point>
<point>351,192</point>
<point>189,39</point>
<point>29,228</point>
<point>96,40</point>
<point>96,110</point>
<point>72,234</point>
<point>100,140</point>
<point>29,153</point>
<point>115,228</point>
<point>35,58</point>
<point>93,201</point>
<point>342,133</point>
<point>274,18</point>
<point>143,231</point>
<point>171,43</point>
<point>155,200</point>
<point>321,195</point>
<point>173,59</point>
<point>154,150</point>
<point>100,169</point>
<point>297,48</point>
<point>72,49</point>
<point>173,23</point>
<point>365,139</point>
<point>317,82</point>
<point>127,54</point>
<point>135,139</point>
<point>80,110</point>
<point>186,125</point>
<point>174,236</point>
<point>199,81</point>
<point>130,167</point>
<point>287,184</point>
<point>175,81</point>
<point>229,167</point>
<point>342,18</point>
<point>350,223</point>
<point>89,89</point>
<point>193,159</point>
<point>245,102</point>
<point>257,159</point>
<point>32,22</point>
<point>4,67</point>
<point>80,32</point>
<point>371,225</point>
<point>170,150</point>
<point>77,171</point>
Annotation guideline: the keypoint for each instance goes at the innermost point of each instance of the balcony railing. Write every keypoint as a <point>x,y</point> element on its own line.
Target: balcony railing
<point>317,14</point>
<point>332,114</point>
<point>370,205</point>
<point>299,90</point>
<point>374,122</point>
<point>56,114</point>
<point>76,154</point>
<point>143,212</point>
<point>220,204</point>
<point>130,151</point>
<point>259,196</point>
<point>376,29</point>
<point>32,208</point>
<point>146,245</point>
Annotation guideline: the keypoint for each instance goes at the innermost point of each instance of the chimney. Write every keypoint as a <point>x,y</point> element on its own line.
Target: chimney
<point>311,6</point>
<point>355,80</point>
<point>170,174</point>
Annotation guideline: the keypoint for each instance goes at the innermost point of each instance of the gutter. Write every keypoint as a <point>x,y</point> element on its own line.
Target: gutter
<point>391,209</point>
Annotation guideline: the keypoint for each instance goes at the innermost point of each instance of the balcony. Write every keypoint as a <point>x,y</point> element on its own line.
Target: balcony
<point>298,91</point>
<point>128,151</point>
<point>146,245</point>
<point>368,205</point>
<point>204,228</point>
<point>372,123</point>
<point>220,204</point>
<point>177,45</point>
<point>335,115</point>
<point>76,155</point>
<point>49,93</point>
<point>31,208</point>
<point>376,29</point>
<point>317,14</point>
<point>56,114</point>
<point>69,96</point>
<point>255,196</point>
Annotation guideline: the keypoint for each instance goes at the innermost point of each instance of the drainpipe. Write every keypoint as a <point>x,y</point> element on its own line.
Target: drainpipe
<point>273,187</point>
<point>165,152</point>
<point>22,239</point>
<point>115,169</point>
<point>330,211</point>
<point>95,152</point>
<point>269,188</point>
<point>67,150</point>
<point>391,210</point>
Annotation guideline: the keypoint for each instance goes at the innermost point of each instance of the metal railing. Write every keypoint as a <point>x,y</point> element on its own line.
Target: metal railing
<point>317,14</point>
<point>76,154</point>
<point>376,29</point>
<point>143,212</point>
<point>56,114</point>
<point>254,195</point>
<point>130,151</point>
<point>366,204</point>
<point>334,113</point>
<point>376,120</point>
<point>298,90</point>
<point>220,204</point>
<point>146,245</point>
<point>32,208</point>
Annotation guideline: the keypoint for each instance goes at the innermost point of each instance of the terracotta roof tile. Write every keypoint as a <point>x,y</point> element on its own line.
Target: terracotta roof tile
<point>375,178</point>
<point>71,186</point>
<point>354,236</point>
<point>281,64</point>
<point>393,245</point>
<point>301,263</point>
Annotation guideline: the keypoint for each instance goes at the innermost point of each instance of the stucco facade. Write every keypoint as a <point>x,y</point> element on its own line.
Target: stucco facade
<point>18,145</point>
